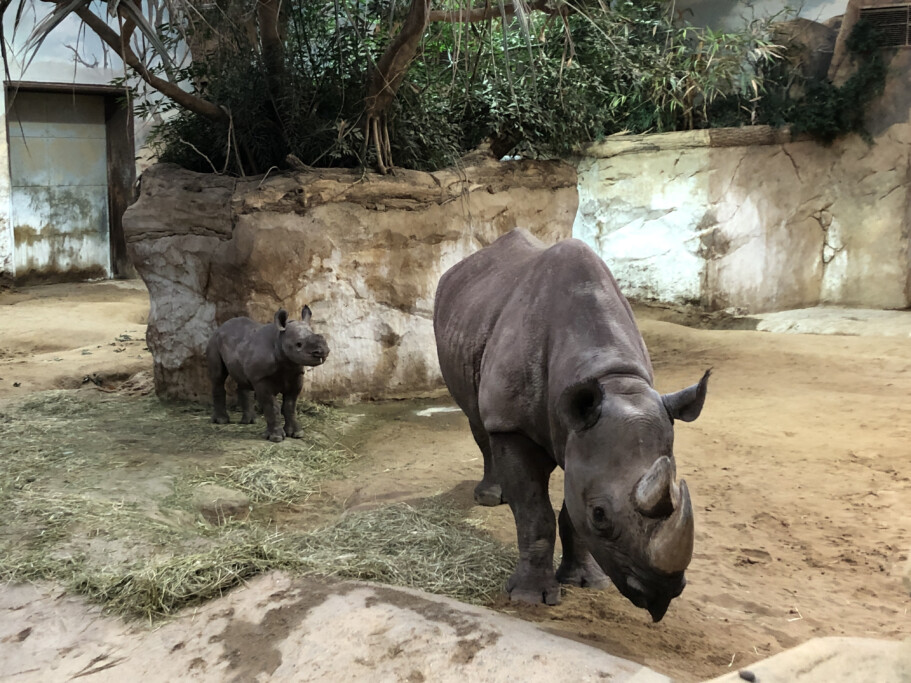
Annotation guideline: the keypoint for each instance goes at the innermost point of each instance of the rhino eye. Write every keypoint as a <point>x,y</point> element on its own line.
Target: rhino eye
<point>299,344</point>
<point>598,515</point>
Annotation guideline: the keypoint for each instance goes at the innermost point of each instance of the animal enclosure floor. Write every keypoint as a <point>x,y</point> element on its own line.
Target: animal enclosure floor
<point>799,469</point>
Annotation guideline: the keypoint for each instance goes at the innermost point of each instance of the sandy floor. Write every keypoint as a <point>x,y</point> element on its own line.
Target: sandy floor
<point>799,468</point>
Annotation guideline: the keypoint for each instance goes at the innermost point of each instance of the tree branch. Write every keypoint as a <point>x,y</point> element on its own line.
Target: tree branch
<point>184,99</point>
<point>390,69</point>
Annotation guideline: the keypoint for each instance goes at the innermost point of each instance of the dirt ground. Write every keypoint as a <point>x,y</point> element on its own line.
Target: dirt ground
<point>799,470</point>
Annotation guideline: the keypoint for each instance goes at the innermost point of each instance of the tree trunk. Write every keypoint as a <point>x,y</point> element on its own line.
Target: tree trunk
<point>386,77</point>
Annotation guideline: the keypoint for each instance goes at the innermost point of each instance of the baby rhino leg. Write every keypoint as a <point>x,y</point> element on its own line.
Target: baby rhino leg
<point>247,405</point>
<point>218,373</point>
<point>266,398</point>
<point>289,406</point>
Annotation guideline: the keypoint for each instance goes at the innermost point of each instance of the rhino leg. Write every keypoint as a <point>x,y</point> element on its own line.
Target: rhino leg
<point>524,470</point>
<point>488,492</point>
<point>266,399</point>
<point>245,398</point>
<point>289,407</point>
<point>218,373</point>
<point>578,567</point>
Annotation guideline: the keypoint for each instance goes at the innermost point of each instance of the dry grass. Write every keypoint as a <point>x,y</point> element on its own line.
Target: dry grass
<point>94,495</point>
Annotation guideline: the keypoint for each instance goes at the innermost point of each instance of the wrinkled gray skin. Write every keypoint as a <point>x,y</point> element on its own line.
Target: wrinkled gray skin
<point>541,351</point>
<point>265,360</point>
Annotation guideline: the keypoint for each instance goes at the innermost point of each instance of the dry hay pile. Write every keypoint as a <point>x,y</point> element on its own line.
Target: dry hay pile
<point>96,491</point>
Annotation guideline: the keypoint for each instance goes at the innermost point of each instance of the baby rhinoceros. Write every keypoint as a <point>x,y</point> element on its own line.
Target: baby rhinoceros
<point>266,360</point>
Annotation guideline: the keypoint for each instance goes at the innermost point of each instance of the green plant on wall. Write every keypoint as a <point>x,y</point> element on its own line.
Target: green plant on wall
<point>828,111</point>
<point>819,107</point>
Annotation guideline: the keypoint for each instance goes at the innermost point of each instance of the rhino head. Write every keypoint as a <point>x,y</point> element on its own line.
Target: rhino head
<point>620,489</point>
<point>298,342</point>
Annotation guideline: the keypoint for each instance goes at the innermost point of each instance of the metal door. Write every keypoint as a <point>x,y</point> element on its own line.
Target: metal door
<point>59,185</point>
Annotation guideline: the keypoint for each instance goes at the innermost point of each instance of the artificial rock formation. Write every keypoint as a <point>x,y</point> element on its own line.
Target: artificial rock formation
<point>750,218</point>
<point>365,252</point>
<point>760,222</point>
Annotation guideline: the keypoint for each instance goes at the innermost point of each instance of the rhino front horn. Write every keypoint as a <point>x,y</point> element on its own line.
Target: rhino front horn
<point>671,548</point>
<point>656,494</point>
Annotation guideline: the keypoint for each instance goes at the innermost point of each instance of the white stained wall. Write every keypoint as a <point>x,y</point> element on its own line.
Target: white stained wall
<point>54,63</point>
<point>727,14</point>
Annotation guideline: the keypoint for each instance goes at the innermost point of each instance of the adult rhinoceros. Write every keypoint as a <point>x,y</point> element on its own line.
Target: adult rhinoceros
<point>541,351</point>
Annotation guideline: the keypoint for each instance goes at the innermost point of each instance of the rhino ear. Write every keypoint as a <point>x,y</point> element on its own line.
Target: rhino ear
<point>580,405</point>
<point>306,314</point>
<point>281,319</point>
<point>687,404</point>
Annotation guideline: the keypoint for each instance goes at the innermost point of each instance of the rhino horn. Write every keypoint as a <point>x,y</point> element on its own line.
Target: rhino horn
<point>671,548</point>
<point>655,493</point>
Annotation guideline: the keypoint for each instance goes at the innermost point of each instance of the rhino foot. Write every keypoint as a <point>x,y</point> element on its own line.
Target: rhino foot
<point>248,419</point>
<point>221,419</point>
<point>275,437</point>
<point>298,434</point>
<point>489,495</point>
<point>585,575</point>
<point>533,589</point>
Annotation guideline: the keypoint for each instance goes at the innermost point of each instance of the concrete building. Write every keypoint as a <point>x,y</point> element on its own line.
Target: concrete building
<point>67,159</point>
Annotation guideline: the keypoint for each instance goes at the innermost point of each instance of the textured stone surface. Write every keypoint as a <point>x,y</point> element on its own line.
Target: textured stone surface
<point>281,629</point>
<point>833,660</point>
<point>906,576</point>
<point>763,227</point>
<point>364,252</point>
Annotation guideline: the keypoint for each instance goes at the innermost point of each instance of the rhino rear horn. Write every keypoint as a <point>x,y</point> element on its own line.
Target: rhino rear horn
<point>281,319</point>
<point>656,494</point>
<point>580,405</point>
<point>687,404</point>
<point>671,548</point>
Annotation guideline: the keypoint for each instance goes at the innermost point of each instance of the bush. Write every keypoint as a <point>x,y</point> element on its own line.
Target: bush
<point>540,86</point>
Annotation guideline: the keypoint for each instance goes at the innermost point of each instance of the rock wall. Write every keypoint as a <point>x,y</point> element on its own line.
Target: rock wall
<point>750,218</point>
<point>764,227</point>
<point>364,252</point>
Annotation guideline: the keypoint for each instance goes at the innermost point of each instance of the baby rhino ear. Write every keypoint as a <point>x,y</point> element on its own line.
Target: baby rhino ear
<point>306,314</point>
<point>281,319</point>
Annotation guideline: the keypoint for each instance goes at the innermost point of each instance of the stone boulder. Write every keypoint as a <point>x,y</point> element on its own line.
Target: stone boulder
<point>365,252</point>
<point>810,46</point>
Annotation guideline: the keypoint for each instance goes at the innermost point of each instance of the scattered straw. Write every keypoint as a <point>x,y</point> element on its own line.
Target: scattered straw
<point>93,496</point>
<point>430,547</point>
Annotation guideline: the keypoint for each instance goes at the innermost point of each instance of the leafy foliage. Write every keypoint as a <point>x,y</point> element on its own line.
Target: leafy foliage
<point>827,110</point>
<point>819,107</point>
<point>539,84</point>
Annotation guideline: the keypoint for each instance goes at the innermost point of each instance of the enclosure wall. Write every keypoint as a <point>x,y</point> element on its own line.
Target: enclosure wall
<point>747,218</point>
<point>364,252</point>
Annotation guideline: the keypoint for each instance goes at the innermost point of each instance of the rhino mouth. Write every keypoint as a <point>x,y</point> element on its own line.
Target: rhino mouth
<point>655,597</point>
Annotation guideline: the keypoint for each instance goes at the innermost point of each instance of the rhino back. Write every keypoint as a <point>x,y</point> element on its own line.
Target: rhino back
<point>550,317</point>
<point>237,341</point>
<point>469,300</point>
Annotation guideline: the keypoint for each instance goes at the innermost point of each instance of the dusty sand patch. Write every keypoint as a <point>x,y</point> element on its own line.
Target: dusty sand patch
<point>799,470</point>
<point>54,336</point>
